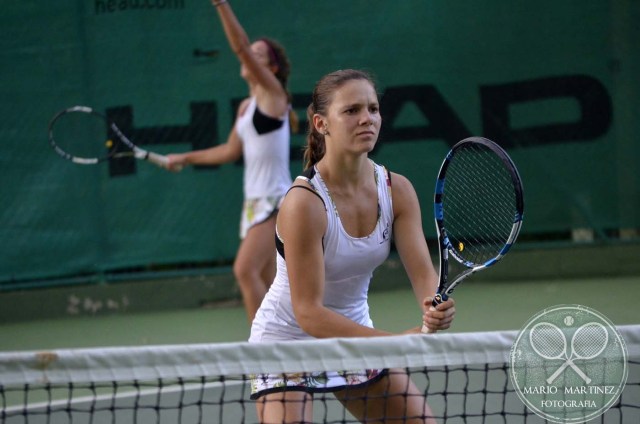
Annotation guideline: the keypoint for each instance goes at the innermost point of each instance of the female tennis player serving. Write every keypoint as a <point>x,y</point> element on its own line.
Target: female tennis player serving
<point>334,228</point>
<point>261,136</point>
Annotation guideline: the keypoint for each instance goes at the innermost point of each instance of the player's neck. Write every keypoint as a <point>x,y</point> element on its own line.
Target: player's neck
<point>347,173</point>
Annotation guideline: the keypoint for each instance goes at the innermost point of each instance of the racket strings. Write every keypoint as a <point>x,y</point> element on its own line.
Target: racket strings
<point>548,341</point>
<point>589,341</point>
<point>81,136</point>
<point>479,204</point>
<point>84,136</point>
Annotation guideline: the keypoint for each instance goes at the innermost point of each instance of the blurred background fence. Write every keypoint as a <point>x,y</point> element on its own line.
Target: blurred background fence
<point>555,83</point>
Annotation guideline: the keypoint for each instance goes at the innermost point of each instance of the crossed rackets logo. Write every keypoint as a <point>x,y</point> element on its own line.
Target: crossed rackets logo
<point>578,344</point>
<point>549,342</point>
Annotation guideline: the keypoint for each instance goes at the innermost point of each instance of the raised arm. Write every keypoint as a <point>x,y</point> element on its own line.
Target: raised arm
<point>264,77</point>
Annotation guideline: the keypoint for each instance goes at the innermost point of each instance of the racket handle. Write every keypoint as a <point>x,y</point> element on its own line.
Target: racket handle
<point>161,160</point>
<point>567,363</point>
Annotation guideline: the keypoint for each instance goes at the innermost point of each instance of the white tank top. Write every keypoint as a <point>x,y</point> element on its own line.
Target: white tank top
<point>349,265</point>
<point>266,156</point>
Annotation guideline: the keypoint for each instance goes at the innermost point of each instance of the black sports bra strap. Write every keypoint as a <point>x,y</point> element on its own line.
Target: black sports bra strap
<point>304,187</point>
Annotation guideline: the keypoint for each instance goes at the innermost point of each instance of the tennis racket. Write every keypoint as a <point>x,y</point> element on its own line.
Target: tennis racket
<point>549,342</point>
<point>478,208</point>
<point>78,134</point>
<point>588,342</point>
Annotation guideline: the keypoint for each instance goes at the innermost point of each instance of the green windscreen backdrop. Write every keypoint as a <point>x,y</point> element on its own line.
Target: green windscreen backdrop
<point>554,82</point>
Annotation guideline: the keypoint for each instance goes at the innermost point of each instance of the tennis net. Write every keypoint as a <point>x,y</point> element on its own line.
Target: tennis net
<point>463,375</point>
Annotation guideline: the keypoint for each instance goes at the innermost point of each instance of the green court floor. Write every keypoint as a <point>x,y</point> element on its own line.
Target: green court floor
<point>481,306</point>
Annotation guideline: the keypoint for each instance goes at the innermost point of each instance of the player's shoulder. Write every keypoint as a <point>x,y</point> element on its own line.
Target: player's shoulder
<point>303,195</point>
<point>404,194</point>
<point>242,107</point>
<point>303,207</point>
<point>303,192</point>
<point>399,182</point>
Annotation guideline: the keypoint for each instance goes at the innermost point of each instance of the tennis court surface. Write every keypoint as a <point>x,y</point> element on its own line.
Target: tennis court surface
<point>193,366</point>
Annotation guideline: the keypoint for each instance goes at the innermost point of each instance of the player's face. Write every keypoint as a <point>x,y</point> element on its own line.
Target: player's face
<point>260,51</point>
<point>353,118</point>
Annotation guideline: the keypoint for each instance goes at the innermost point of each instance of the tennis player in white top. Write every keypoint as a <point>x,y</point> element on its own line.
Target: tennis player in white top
<point>261,136</point>
<point>334,228</point>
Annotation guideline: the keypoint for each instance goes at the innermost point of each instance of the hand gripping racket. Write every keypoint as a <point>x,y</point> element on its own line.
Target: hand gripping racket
<point>77,134</point>
<point>478,208</point>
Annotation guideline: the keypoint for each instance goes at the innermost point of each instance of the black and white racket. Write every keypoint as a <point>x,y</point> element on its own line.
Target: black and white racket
<point>78,134</point>
<point>478,208</point>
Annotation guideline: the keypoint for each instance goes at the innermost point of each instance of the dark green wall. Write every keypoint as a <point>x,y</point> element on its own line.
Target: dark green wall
<point>554,82</point>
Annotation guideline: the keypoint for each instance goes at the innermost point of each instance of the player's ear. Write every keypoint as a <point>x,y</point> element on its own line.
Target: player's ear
<point>319,123</point>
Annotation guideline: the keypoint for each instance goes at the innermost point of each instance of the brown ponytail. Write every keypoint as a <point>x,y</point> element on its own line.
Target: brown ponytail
<point>315,148</point>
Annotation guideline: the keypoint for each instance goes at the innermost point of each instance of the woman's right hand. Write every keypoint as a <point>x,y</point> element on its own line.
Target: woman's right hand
<point>176,162</point>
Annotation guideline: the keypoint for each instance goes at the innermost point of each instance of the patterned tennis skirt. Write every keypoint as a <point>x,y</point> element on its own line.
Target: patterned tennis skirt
<point>256,211</point>
<point>316,382</point>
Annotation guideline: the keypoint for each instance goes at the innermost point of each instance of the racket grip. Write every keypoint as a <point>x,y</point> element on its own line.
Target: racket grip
<point>161,160</point>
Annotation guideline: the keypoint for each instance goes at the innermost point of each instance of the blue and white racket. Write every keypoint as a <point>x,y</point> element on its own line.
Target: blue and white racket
<point>478,208</point>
